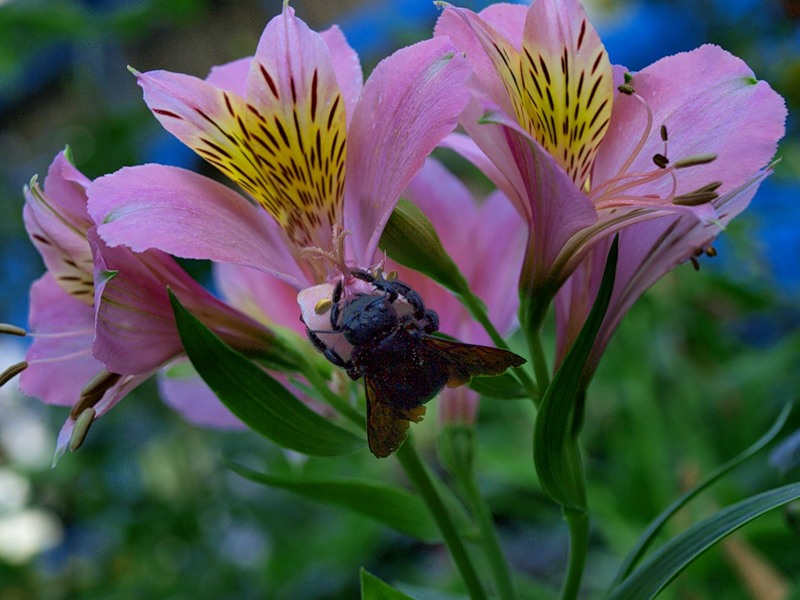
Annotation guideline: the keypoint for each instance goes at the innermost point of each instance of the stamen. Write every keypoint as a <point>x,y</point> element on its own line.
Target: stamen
<point>63,334</point>
<point>642,139</point>
<point>54,359</point>
<point>81,428</point>
<point>710,187</point>
<point>626,89</point>
<point>94,391</point>
<point>661,161</point>
<point>633,180</point>
<point>691,161</point>
<point>336,256</point>
<point>695,198</point>
<point>12,372</point>
<point>12,330</point>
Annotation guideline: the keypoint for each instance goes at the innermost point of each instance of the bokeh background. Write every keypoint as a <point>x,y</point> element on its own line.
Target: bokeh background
<point>148,509</point>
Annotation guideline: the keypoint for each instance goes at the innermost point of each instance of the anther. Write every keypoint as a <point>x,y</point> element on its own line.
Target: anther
<point>93,391</point>
<point>664,136</point>
<point>710,251</point>
<point>323,305</point>
<point>695,263</point>
<point>626,89</point>
<point>695,198</point>
<point>12,330</point>
<point>710,187</point>
<point>661,161</point>
<point>81,428</point>
<point>12,372</point>
<point>691,161</point>
<point>628,77</point>
<point>391,276</point>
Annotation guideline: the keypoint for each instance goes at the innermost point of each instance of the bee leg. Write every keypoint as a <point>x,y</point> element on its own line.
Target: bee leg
<point>336,298</point>
<point>330,354</point>
<point>390,288</point>
<point>430,321</point>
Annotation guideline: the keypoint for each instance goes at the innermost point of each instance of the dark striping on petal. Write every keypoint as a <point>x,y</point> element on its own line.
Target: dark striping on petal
<point>314,96</point>
<point>167,113</point>
<point>273,88</point>
<point>333,110</point>
<point>580,35</point>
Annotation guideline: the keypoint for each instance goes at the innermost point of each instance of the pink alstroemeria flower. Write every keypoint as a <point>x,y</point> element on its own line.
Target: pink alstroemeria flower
<point>491,269</point>
<point>581,161</point>
<point>100,317</point>
<point>294,129</point>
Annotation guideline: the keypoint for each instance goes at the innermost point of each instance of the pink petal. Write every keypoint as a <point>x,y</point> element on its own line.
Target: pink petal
<point>60,359</point>
<point>231,76</point>
<point>556,209</point>
<point>410,102</point>
<point>56,221</point>
<point>469,32</point>
<point>504,174</point>
<point>294,100</point>
<point>346,65</point>
<point>711,103</point>
<point>508,20</point>
<point>182,389</point>
<point>196,112</point>
<point>261,296</point>
<point>564,57</point>
<point>191,216</point>
<point>136,330</point>
<point>458,406</point>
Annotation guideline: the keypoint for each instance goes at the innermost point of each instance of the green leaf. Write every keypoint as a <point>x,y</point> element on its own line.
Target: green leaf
<point>256,398</point>
<point>388,504</point>
<point>501,387</point>
<point>655,526</point>
<point>555,450</point>
<point>373,588</point>
<point>410,239</point>
<point>673,557</point>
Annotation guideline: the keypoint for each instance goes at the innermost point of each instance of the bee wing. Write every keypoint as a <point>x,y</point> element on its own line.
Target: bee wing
<point>386,426</point>
<point>464,361</point>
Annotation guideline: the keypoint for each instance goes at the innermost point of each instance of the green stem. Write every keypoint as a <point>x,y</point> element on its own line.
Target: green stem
<point>491,546</point>
<point>478,312</point>
<point>578,522</point>
<point>539,361</point>
<point>419,475</point>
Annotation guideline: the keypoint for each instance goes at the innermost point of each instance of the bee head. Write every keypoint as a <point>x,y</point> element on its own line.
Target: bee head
<point>368,318</point>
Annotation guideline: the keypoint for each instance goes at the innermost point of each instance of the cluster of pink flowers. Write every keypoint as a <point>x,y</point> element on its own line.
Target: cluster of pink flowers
<point>580,150</point>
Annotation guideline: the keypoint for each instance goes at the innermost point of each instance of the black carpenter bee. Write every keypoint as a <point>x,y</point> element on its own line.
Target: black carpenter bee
<point>403,365</point>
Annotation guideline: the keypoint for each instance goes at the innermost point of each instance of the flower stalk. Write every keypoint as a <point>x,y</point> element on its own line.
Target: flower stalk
<point>420,476</point>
